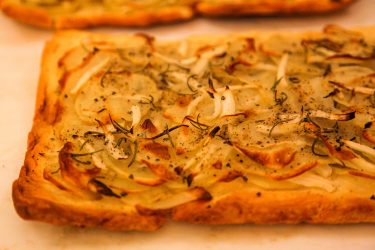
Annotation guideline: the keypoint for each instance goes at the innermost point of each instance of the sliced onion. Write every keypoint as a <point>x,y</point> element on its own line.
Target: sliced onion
<point>228,104</point>
<point>183,78</point>
<point>214,52</point>
<point>283,128</point>
<point>200,67</point>
<point>193,104</point>
<point>217,107</point>
<point>171,201</point>
<point>361,164</point>
<point>183,48</point>
<point>88,74</point>
<point>98,162</point>
<point>359,147</point>
<point>239,87</point>
<point>265,66</point>
<point>181,63</point>
<point>361,90</point>
<point>112,147</point>
<point>309,179</point>
<point>334,117</point>
<point>323,170</point>
<point>281,70</point>
<point>136,115</point>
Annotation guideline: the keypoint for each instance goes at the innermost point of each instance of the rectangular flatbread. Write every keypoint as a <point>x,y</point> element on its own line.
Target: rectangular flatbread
<point>261,128</point>
<point>60,14</point>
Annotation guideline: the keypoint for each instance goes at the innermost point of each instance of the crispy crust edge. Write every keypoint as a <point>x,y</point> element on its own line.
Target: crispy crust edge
<point>41,18</point>
<point>147,18</point>
<point>269,7</point>
<point>289,207</point>
<point>33,16</point>
<point>30,207</point>
<point>265,207</point>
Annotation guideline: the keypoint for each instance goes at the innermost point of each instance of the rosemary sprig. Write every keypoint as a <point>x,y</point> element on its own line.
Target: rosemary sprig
<point>211,85</point>
<point>169,136</point>
<point>135,153</point>
<point>276,83</point>
<point>214,131</point>
<point>148,101</point>
<point>105,74</point>
<point>93,133</point>
<point>75,156</point>
<point>275,125</point>
<point>165,132</point>
<point>196,123</point>
<point>83,144</point>
<point>188,84</point>
<point>332,93</point>
<point>281,99</point>
<point>118,127</point>
<point>122,139</point>
<point>313,148</point>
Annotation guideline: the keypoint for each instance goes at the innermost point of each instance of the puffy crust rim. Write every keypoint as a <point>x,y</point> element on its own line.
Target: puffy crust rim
<point>41,18</point>
<point>287,207</point>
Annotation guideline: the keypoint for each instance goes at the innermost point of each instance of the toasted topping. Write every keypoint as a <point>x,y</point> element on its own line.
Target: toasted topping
<point>169,121</point>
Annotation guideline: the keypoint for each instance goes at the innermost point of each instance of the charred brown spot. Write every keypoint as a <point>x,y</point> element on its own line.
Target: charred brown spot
<point>149,39</point>
<point>361,174</point>
<point>204,49</point>
<point>149,126</point>
<point>295,172</point>
<point>231,68</point>
<point>150,212</point>
<point>250,42</point>
<point>189,179</point>
<point>274,159</point>
<point>157,149</point>
<point>324,43</point>
<point>338,152</point>
<point>184,100</point>
<point>217,165</point>
<point>63,79</point>
<point>27,169</point>
<point>103,189</point>
<point>368,125</point>
<point>59,110</point>
<point>180,151</point>
<point>160,170</point>
<point>368,136</point>
<point>42,106</point>
<point>232,175</point>
<point>70,172</point>
<point>178,170</point>
<point>66,74</point>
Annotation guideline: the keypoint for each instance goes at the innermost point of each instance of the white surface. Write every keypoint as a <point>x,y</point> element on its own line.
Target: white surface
<point>20,50</point>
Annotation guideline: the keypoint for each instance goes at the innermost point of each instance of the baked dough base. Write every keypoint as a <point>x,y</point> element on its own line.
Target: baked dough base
<point>41,18</point>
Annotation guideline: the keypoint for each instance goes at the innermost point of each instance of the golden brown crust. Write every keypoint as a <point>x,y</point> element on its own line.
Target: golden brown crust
<point>269,7</point>
<point>29,206</point>
<point>287,207</point>
<point>33,16</point>
<point>146,18</point>
<point>42,210</point>
<point>34,200</point>
<point>41,18</point>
